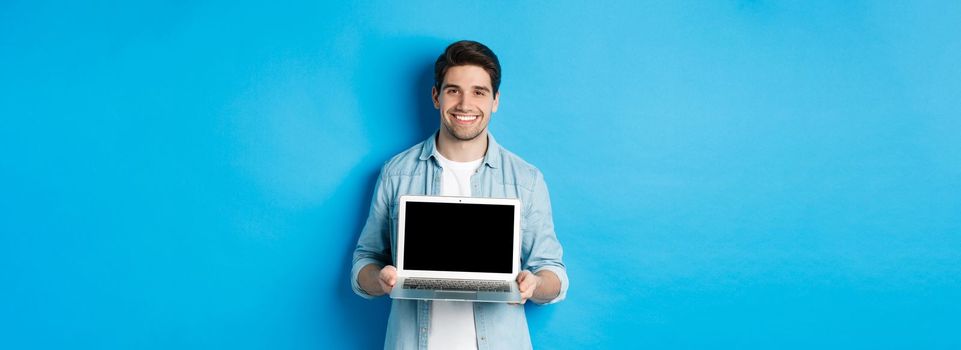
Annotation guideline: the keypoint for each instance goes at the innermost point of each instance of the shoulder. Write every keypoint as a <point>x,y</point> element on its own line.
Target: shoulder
<point>526,174</point>
<point>405,163</point>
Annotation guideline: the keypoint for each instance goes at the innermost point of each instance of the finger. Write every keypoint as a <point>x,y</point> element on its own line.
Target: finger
<point>389,275</point>
<point>385,287</point>
<point>388,278</point>
<point>521,277</point>
<point>528,285</point>
<point>524,291</point>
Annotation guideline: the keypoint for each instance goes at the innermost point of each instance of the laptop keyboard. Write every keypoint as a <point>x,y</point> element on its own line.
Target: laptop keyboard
<point>464,285</point>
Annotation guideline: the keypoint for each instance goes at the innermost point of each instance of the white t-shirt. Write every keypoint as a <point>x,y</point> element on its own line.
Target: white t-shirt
<point>452,322</point>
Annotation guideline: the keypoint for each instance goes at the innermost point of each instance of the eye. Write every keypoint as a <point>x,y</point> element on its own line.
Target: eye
<point>451,91</point>
<point>480,93</point>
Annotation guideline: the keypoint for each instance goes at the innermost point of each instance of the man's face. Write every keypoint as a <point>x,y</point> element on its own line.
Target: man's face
<point>466,102</point>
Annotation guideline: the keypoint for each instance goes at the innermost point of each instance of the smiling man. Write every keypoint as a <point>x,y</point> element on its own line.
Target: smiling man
<point>461,159</point>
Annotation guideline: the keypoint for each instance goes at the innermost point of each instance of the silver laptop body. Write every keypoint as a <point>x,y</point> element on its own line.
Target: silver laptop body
<point>458,248</point>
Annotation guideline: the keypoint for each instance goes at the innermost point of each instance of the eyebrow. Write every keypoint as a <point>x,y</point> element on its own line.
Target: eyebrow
<point>476,87</point>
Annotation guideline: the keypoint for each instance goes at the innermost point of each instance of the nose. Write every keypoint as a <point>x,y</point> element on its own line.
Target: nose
<point>461,104</point>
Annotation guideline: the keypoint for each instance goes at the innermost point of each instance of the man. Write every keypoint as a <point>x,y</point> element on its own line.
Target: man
<point>461,159</point>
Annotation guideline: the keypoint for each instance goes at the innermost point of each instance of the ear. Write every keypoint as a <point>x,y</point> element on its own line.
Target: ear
<point>497,100</point>
<point>434,95</point>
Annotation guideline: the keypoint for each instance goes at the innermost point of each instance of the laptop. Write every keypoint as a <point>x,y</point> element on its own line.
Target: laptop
<point>458,248</point>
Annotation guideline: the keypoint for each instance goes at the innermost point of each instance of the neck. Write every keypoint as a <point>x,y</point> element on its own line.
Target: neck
<point>462,151</point>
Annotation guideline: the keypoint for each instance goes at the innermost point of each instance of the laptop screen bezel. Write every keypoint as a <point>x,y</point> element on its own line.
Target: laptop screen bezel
<point>401,223</point>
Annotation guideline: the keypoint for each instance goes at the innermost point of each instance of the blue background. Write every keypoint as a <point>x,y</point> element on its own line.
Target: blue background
<point>724,174</point>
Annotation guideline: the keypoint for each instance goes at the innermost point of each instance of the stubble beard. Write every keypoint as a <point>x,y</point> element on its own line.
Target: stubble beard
<point>462,134</point>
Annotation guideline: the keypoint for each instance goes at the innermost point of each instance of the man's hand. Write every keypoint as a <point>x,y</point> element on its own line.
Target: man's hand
<point>376,280</point>
<point>528,283</point>
<point>387,278</point>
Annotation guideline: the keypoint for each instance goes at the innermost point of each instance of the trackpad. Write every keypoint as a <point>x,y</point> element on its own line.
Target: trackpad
<point>456,295</point>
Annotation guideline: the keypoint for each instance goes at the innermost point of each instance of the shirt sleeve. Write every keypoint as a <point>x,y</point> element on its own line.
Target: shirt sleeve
<point>546,251</point>
<point>373,245</point>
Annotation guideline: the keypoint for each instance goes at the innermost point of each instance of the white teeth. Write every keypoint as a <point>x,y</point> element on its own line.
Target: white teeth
<point>465,118</point>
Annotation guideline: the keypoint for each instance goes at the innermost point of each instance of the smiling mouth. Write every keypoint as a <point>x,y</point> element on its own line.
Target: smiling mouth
<point>465,118</point>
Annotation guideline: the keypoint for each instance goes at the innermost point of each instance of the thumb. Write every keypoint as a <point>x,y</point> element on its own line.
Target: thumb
<point>389,275</point>
<point>523,276</point>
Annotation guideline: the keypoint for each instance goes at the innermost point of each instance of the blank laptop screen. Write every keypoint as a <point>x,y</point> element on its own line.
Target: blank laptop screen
<point>459,237</point>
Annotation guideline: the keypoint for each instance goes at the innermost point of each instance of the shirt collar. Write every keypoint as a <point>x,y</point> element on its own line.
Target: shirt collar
<point>491,159</point>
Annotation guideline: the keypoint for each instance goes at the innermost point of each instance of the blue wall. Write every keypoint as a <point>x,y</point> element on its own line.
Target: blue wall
<point>724,174</point>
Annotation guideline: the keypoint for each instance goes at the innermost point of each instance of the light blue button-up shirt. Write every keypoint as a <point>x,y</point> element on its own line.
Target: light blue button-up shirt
<point>501,175</point>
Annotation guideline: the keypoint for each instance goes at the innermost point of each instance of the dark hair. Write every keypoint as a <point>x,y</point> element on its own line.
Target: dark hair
<point>468,53</point>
